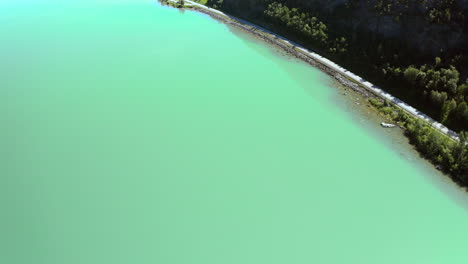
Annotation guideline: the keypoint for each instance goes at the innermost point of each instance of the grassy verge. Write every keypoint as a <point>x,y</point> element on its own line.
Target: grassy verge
<point>177,4</point>
<point>203,2</point>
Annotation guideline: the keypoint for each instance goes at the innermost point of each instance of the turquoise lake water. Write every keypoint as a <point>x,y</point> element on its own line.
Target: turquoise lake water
<point>137,133</point>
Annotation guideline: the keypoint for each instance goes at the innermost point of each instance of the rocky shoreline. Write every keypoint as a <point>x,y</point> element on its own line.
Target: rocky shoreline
<point>289,49</point>
<point>292,50</point>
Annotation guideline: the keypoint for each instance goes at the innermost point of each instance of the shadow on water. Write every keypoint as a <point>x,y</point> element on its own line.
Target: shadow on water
<point>395,140</point>
<point>449,188</point>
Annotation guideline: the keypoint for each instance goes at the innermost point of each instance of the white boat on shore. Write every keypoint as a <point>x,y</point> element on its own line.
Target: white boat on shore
<point>387,125</point>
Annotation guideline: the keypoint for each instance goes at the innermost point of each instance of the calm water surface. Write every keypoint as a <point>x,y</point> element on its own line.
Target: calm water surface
<point>136,133</point>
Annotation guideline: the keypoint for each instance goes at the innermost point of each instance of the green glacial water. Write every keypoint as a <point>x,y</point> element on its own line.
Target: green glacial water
<point>137,133</point>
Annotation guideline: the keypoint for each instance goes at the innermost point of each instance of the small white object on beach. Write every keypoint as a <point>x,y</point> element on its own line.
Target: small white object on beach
<point>387,125</point>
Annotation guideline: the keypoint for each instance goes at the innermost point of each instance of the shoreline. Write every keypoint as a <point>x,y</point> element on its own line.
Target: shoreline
<point>339,74</point>
<point>289,49</point>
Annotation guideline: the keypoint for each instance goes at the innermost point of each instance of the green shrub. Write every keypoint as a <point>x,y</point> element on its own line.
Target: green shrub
<point>375,102</point>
